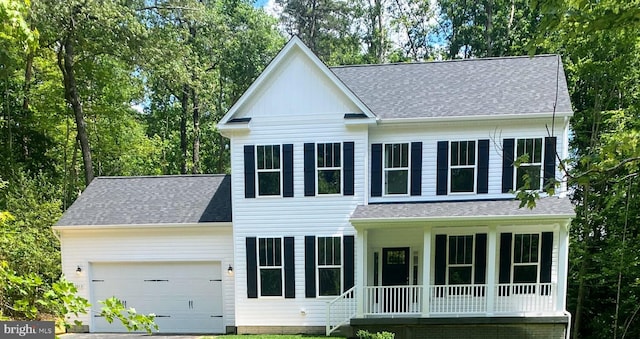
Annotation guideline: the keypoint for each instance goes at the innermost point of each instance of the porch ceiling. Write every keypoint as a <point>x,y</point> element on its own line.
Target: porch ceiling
<point>546,208</point>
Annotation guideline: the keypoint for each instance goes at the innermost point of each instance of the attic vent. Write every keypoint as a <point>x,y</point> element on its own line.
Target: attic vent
<point>239,120</point>
<point>355,116</point>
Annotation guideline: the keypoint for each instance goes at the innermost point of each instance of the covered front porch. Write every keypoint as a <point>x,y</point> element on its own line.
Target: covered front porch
<point>421,265</point>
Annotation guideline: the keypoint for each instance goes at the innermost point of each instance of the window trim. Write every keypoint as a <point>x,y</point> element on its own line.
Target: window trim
<point>258,171</point>
<point>386,169</point>
<point>318,169</point>
<point>513,257</point>
<point>452,167</point>
<point>528,164</point>
<point>473,259</point>
<point>260,267</point>
<point>318,266</point>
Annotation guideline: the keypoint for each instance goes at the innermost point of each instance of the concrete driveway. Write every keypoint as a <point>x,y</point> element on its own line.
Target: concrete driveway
<point>130,336</point>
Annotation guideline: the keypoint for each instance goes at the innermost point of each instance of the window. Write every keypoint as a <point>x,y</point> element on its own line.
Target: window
<point>329,266</point>
<point>268,169</point>
<point>525,258</point>
<point>463,167</point>
<point>396,168</point>
<point>329,168</point>
<point>528,173</point>
<point>460,264</point>
<point>270,266</point>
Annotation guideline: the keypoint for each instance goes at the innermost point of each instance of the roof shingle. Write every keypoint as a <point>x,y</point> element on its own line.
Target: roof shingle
<point>549,206</point>
<point>460,88</point>
<point>185,199</point>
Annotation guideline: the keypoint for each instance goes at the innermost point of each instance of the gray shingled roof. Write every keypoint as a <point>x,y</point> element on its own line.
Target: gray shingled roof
<point>184,199</point>
<point>470,87</point>
<point>550,206</point>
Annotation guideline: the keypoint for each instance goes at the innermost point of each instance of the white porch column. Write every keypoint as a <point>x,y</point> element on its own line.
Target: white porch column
<point>563,266</point>
<point>361,269</point>
<point>426,270</point>
<point>492,246</point>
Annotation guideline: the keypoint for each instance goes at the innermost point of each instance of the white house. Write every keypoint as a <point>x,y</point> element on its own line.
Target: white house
<point>375,196</point>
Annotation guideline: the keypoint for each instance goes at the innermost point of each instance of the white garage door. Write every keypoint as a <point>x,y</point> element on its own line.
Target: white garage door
<point>186,297</point>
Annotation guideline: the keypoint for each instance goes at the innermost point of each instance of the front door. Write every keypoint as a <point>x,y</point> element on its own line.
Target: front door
<point>395,272</point>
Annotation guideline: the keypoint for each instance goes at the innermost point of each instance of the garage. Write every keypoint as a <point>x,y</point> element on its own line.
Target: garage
<point>186,297</point>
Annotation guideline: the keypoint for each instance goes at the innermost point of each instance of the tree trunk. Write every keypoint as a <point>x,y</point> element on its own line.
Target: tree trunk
<point>183,128</point>
<point>28,74</point>
<point>196,132</point>
<point>489,28</point>
<point>66,64</point>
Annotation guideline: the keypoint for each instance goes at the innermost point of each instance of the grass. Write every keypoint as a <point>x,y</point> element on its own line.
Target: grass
<point>265,336</point>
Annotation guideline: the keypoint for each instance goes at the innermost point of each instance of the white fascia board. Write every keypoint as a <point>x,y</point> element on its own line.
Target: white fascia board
<point>546,217</point>
<point>397,121</point>
<point>59,228</point>
<point>293,43</point>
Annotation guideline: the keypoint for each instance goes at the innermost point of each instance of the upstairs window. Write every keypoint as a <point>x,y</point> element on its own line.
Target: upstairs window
<point>463,167</point>
<point>329,266</point>
<point>528,174</point>
<point>268,170</point>
<point>270,266</point>
<point>526,249</point>
<point>396,168</point>
<point>460,263</point>
<point>329,161</point>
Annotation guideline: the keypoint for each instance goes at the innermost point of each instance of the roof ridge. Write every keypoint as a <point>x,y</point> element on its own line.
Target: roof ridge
<point>162,176</point>
<point>446,61</point>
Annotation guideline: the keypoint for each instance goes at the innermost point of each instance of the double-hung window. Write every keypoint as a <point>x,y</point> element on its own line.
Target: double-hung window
<point>268,170</point>
<point>528,172</point>
<point>460,263</point>
<point>329,160</point>
<point>463,167</point>
<point>270,266</point>
<point>329,266</point>
<point>526,252</point>
<point>396,168</point>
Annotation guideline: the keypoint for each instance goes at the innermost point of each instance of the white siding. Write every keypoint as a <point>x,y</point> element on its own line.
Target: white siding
<point>296,87</point>
<point>430,134</point>
<point>297,105</point>
<point>163,244</point>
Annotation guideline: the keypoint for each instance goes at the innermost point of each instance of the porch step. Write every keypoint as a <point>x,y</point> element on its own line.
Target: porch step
<point>344,331</point>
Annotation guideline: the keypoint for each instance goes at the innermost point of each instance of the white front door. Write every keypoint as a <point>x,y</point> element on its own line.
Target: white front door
<point>186,297</point>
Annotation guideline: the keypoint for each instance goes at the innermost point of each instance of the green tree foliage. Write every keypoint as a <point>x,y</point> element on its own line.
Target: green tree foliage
<point>113,309</point>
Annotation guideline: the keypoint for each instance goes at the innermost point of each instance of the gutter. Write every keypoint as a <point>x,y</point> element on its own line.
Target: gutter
<point>138,226</point>
<point>356,221</point>
<point>395,121</point>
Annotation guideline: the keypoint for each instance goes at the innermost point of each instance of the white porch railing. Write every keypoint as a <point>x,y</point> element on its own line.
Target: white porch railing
<point>340,310</point>
<point>525,298</point>
<point>458,299</point>
<point>392,300</point>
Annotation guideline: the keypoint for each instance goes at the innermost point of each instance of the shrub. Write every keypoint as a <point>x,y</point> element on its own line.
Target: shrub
<point>362,334</point>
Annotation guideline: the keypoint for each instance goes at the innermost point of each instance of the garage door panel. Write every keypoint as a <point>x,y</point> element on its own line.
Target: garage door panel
<point>185,296</point>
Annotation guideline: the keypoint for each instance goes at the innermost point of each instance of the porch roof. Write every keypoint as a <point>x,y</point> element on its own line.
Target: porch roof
<point>546,208</point>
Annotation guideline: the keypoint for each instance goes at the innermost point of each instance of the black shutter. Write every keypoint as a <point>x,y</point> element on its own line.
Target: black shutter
<point>309,169</point>
<point>287,170</point>
<point>546,256</point>
<point>549,160</point>
<point>349,261</point>
<point>416,168</point>
<point>483,166</point>
<point>252,268</point>
<point>442,167</point>
<point>505,258</point>
<point>289,268</point>
<point>349,171</point>
<point>480,264</point>
<point>441,260</point>
<point>376,170</point>
<point>249,172</point>
<point>508,156</point>
<point>310,266</point>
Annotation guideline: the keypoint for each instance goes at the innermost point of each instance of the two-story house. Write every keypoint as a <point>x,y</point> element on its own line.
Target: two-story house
<point>376,196</point>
